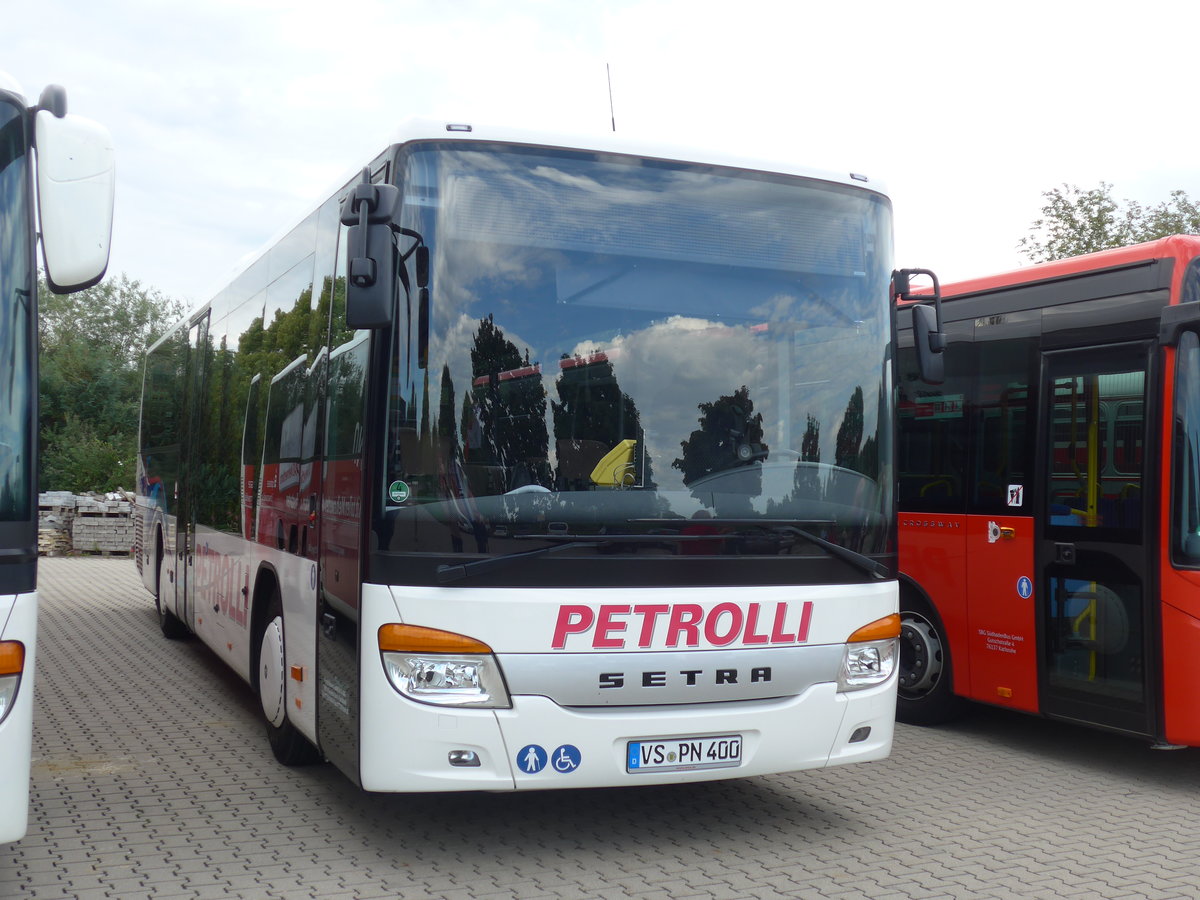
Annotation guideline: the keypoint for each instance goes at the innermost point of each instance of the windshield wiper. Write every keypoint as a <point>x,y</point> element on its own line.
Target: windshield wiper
<point>450,574</point>
<point>860,561</point>
<point>782,526</point>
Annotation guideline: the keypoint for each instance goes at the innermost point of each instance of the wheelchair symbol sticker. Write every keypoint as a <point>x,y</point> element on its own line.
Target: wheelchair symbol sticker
<point>566,759</point>
<point>531,759</point>
<point>1024,587</point>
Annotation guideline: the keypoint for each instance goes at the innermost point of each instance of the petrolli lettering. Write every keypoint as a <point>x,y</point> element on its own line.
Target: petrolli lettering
<point>614,626</point>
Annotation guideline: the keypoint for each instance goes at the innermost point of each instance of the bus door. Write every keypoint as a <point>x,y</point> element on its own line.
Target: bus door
<point>1093,556</point>
<point>191,489</point>
<point>340,553</point>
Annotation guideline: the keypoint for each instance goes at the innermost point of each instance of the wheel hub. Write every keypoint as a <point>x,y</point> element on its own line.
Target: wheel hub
<point>270,672</point>
<point>920,656</point>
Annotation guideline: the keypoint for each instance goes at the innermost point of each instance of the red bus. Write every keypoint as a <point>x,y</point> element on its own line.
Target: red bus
<point>1050,521</point>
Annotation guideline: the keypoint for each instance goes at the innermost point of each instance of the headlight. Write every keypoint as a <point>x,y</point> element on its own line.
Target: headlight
<point>870,655</point>
<point>12,664</point>
<point>441,667</point>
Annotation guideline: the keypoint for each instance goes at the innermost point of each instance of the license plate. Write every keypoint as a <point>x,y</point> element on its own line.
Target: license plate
<point>684,754</point>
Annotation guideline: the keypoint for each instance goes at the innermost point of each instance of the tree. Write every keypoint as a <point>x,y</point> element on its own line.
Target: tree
<point>90,380</point>
<point>1076,221</point>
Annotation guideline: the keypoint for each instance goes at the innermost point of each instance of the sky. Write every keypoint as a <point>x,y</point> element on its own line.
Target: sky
<point>233,118</point>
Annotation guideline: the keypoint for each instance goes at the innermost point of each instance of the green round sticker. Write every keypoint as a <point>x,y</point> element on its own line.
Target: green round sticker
<point>399,492</point>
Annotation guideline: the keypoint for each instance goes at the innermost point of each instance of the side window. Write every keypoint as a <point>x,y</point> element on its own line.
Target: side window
<point>1191,283</point>
<point>346,396</point>
<point>282,443</point>
<point>932,449</point>
<point>1097,422</point>
<point>1185,475</point>
<point>999,411</point>
<point>162,409</point>
<point>251,458</point>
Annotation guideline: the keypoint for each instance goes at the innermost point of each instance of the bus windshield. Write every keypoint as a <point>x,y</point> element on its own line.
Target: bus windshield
<point>16,283</point>
<point>653,361</point>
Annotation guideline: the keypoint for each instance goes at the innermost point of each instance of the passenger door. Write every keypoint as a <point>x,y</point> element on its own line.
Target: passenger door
<point>193,438</point>
<point>1093,553</point>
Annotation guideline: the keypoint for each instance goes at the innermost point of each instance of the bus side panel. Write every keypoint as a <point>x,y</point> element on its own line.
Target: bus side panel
<point>1002,624</point>
<point>16,733</point>
<point>1180,645</point>
<point>298,585</point>
<point>223,566</point>
<point>227,568</point>
<point>933,553</point>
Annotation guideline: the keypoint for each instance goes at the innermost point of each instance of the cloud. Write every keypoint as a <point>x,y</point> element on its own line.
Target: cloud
<point>232,119</point>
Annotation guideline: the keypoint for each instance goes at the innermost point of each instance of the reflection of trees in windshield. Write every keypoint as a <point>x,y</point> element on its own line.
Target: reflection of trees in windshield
<point>851,452</point>
<point>504,419</point>
<point>730,436</point>
<point>592,416</point>
<point>849,436</point>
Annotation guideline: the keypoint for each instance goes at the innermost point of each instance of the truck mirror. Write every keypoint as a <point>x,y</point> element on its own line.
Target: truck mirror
<point>371,281</point>
<point>370,253</point>
<point>929,344</point>
<point>76,173</point>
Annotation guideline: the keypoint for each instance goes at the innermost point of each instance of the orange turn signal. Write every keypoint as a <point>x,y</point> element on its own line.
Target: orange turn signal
<point>415,639</point>
<point>12,657</point>
<point>879,630</point>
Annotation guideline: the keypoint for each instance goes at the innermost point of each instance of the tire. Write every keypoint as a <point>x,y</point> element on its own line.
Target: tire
<point>926,691</point>
<point>290,747</point>
<point>168,622</point>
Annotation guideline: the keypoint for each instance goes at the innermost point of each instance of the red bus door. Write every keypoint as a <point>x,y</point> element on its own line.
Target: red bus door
<point>1093,559</point>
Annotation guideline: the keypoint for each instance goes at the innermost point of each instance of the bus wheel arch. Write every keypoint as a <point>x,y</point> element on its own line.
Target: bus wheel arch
<point>926,694</point>
<point>269,673</point>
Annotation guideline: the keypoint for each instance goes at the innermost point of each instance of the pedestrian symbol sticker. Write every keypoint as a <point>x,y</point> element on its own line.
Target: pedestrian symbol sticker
<point>567,759</point>
<point>531,759</point>
<point>1024,587</point>
<point>399,492</point>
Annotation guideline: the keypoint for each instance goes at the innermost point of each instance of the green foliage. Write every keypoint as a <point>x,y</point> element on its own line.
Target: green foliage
<point>78,457</point>
<point>1075,221</point>
<point>90,381</point>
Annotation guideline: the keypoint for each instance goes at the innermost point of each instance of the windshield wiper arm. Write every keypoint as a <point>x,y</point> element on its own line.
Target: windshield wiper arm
<point>561,541</point>
<point>860,561</point>
<point>450,574</point>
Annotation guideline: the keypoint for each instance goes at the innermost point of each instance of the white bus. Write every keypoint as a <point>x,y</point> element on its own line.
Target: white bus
<point>524,463</point>
<point>72,193</point>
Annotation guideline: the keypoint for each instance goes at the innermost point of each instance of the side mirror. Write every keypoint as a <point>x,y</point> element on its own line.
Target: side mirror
<point>928,335</point>
<point>371,254</point>
<point>371,281</point>
<point>76,173</point>
<point>931,362</point>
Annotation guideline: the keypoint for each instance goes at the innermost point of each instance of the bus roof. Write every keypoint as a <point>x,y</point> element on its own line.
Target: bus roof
<point>423,129</point>
<point>615,142</point>
<point>1179,246</point>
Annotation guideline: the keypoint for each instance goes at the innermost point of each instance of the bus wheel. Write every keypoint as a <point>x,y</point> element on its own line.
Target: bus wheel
<point>168,622</point>
<point>289,746</point>
<point>925,695</point>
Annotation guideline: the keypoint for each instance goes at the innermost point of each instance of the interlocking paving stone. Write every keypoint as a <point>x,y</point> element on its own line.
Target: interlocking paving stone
<point>152,777</point>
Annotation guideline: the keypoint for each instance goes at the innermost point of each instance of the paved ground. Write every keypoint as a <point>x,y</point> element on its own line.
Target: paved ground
<point>152,778</point>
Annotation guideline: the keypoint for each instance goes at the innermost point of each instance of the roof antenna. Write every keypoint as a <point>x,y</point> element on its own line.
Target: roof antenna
<point>611,110</point>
